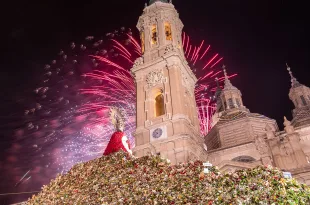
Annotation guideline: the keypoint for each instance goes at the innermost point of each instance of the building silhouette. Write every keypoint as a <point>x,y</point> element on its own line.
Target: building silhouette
<point>167,119</point>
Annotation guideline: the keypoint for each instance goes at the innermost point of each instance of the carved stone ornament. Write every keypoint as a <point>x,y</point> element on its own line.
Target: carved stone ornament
<point>270,134</point>
<point>261,145</point>
<point>289,129</point>
<point>154,78</point>
<point>169,48</point>
<point>138,62</point>
<point>286,149</point>
<point>141,24</point>
<point>186,83</point>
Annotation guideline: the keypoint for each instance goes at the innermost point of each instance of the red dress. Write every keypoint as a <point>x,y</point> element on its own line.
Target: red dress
<point>118,142</point>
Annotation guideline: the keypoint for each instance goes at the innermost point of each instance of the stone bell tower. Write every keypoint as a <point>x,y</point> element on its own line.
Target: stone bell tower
<point>300,96</point>
<point>167,119</point>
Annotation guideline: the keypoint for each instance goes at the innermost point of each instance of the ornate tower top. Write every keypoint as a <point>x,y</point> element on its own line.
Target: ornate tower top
<point>160,30</point>
<point>153,1</point>
<point>300,95</point>
<point>294,81</point>
<point>219,106</point>
<point>231,97</point>
<point>228,85</point>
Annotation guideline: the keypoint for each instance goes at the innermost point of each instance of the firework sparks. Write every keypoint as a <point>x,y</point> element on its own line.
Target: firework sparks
<point>67,122</point>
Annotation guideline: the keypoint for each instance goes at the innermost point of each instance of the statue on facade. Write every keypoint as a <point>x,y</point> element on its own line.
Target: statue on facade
<point>269,132</point>
<point>119,140</point>
<point>261,145</point>
<point>289,129</point>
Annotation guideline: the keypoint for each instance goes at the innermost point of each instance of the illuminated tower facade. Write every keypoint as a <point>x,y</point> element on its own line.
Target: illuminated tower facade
<point>167,121</point>
<point>300,96</point>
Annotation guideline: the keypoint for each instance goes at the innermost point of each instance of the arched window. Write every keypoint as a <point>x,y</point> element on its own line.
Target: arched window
<point>231,103</point>
<point>246,159</point>
<point>142,42</point>
<point>238,102</point>
<point>225,105</point>
<point>168,32</point>
<point>303,100</point>
<point>159,104</point>
<point>154,35</point>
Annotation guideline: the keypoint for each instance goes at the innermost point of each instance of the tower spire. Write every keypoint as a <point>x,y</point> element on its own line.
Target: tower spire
<point>218,88</point>
<point>227,84</point>
<point>217,83</point>
<point>294,81</point>
<point>153,1</point>
<point>300,95</point>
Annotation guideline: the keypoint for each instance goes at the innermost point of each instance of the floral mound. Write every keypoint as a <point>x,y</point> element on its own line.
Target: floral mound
<point>118,179</point>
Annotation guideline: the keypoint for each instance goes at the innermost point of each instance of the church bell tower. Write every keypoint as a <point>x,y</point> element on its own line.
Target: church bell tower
<point>167,118</point>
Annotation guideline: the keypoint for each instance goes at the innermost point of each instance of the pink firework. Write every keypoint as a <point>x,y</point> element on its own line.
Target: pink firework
<point>119,82</point>
<point>67,120</point>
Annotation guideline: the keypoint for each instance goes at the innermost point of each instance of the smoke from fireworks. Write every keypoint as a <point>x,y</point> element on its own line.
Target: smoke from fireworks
<point>67,121</point>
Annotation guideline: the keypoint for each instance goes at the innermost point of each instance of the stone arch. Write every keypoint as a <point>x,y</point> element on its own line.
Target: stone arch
<point>159,102</point>
<point>192,156</point>
<point>168,31</point>
<point>244,158</point>
<point>147,151</point>
<point>154,35</point>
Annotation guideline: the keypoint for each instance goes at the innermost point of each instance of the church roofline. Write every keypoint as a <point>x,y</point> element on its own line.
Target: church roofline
<point>230,147</point>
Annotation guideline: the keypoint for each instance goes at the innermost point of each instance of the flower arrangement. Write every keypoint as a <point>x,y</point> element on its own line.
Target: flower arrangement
<point>121,179</point>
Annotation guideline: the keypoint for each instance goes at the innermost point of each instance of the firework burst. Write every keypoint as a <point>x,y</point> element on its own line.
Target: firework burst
<point>67,121</point>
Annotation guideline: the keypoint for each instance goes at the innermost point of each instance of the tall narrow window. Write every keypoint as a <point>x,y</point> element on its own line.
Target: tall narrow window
<point>168,32</point>
<point>142,42</point>
<point>154,35</point>
<point>304,102</point>
<point>238,102</point>
<point>159,105</point>
<point>219,105</point>
<point>225,105</point>
<point>231,103</point>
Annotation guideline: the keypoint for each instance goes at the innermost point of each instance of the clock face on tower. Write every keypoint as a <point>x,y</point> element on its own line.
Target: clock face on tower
<point>157,133</point>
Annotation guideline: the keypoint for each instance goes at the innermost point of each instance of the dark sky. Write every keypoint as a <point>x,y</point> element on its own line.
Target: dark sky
<point>256,38</point>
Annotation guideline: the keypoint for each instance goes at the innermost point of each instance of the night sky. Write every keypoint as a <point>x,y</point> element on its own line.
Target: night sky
<point>256,39</point>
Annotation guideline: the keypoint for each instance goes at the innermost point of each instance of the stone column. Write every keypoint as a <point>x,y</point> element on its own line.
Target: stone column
<point>147,44</point>
<point>299,154</point>
<point>161,32</point>
<point>273,143</point>
<point>174,33</point>
<point>175,90</point>
<point>266,160</point>
<point>167,95</point>
<point>150,108</point>
<point>195,114</point>
<point>147,37</point>
<point>141,115</point>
